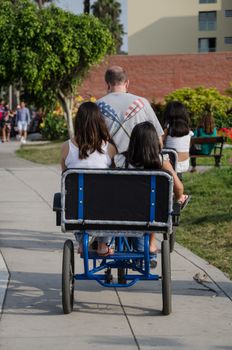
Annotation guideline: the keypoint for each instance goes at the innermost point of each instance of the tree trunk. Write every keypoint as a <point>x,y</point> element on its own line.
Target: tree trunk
<point>40,3</point>
<point>87,6</point>
<point>67,105</point>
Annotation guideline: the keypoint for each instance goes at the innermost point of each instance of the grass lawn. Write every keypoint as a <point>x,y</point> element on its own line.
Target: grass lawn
<point>225,160</point>
<point>48,153</point>
<point>206,223</point>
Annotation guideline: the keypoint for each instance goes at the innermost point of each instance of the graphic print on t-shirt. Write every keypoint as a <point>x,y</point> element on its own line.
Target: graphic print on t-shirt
<point>111,114</point>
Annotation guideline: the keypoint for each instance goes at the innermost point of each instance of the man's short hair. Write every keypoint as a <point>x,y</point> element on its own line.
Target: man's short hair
<point>115,75</point>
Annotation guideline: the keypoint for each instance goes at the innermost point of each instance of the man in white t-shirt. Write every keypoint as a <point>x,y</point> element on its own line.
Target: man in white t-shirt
<point>123,110</point>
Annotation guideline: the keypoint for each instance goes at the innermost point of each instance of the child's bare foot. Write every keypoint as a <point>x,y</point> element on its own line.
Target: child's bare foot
<point>183,200</point>
<point>153,249</point>
<point>104,249</point>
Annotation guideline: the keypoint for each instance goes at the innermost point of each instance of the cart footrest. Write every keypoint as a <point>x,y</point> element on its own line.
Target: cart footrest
<point>118,256</point>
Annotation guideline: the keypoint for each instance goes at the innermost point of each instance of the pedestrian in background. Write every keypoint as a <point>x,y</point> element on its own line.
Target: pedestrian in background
<point>23,119</point>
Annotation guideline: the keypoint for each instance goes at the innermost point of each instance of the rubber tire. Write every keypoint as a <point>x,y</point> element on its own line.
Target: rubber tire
<point>68,277</point>
<point>172,239</point>
<point>166,277</point>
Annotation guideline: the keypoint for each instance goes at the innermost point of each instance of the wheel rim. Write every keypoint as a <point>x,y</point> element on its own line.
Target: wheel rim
<point>71,281</point>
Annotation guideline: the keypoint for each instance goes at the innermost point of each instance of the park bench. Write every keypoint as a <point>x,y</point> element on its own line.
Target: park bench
<point>218,142</point>
<point>122,204</point>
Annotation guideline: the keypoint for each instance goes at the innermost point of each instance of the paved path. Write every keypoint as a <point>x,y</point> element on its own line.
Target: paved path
<point>109,319</point>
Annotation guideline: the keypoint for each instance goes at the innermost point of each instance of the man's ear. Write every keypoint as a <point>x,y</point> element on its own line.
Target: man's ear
<point>108,87</point>
<point>127,82</point>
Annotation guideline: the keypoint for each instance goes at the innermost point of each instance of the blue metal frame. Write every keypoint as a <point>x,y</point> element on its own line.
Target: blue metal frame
<point>124,257</point>
<point>80,207</point>
<point>152,198</point>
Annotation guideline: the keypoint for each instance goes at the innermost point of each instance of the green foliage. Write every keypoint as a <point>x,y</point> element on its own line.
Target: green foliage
<point>199,99</point>
<point>48,49</point>
<point>108,11</point>
<point>158,108</point>
<point>205,225</point>
<point>54,128</point>
<point>229,90</point>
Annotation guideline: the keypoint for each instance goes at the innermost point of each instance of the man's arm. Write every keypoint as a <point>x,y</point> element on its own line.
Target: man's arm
<point>154,120</point>
<point>161,142</point>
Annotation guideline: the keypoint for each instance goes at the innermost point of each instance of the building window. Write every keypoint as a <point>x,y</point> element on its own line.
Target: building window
<point>207,20</point>
<point>207,45</point>
<point>228,13</point>
<point>228,40</point>
<point>207,1</point>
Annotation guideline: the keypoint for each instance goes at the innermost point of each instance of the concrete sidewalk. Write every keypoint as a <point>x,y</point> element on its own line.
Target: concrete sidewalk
<point>32,317</point>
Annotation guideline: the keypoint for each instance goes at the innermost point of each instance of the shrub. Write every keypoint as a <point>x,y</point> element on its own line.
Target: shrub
<point>54,127</point>
<point>198,99</point>
<point>226,132</point>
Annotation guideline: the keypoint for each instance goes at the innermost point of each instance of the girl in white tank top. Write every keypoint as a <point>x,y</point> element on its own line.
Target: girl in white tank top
<point>89,148</point>
<point>95,160</point>
<point>177,133</point>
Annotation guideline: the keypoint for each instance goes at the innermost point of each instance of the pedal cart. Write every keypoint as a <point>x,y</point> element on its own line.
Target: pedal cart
<point>122,204</point>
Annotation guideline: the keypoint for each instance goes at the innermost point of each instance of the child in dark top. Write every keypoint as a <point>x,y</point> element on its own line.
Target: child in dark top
<point>206,128</point>
<point>144,153</point>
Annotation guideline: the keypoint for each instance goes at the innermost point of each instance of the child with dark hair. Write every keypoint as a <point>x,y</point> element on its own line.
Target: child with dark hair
<point>144,153</point>
<point>89,148</point>
<point>206,128</point>
<point>177,133</point>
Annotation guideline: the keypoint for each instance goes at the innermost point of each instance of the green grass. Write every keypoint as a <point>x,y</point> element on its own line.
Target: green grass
<point>225,160</point>
<point>42,153</point>
<point>206,223</point>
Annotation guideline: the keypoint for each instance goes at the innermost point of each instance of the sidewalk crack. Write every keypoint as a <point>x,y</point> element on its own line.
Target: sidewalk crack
<point>128,321</point>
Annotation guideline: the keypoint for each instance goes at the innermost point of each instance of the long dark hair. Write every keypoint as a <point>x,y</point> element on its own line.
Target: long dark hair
<point>207,122</point>
<point>144,148</point>
<point>176,119</point>
<point>90,129</point>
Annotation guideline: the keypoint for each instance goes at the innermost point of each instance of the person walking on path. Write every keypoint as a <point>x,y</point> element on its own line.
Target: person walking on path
<point>2,115</point>
<point>123,110</point>
<point>22,121</point>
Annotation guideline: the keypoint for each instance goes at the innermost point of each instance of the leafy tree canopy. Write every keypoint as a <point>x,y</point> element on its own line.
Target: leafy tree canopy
<point>48,49</point>
<point>109,11</point>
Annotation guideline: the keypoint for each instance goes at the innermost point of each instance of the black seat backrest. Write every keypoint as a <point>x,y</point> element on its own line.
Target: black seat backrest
<point>116,199</point>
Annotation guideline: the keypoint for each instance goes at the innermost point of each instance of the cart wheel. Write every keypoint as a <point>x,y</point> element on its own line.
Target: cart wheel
<point>68,277</point>
<point>121,275</point>
<point>166,278</point>
<point>172,239</point>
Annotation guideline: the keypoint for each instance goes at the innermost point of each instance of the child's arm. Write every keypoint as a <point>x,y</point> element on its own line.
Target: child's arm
<point>112,150</point>
<point>165,135</point>
<point>64,153</point>
<point>178,185</point>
